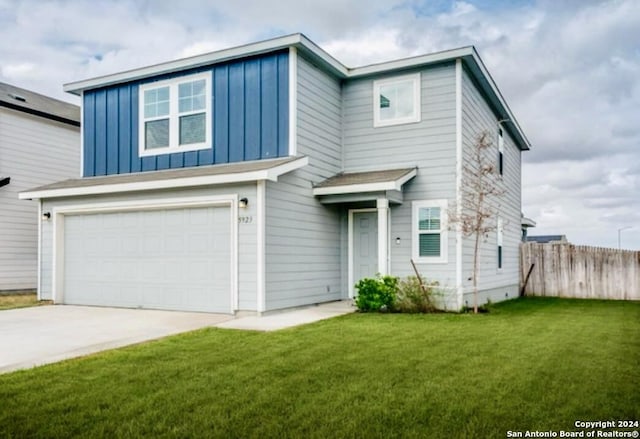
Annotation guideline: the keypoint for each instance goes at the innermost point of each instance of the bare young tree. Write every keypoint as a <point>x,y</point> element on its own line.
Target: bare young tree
<point>479,200</point>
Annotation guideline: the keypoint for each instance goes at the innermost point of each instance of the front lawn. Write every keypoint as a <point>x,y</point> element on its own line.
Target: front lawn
<point>530,364</point>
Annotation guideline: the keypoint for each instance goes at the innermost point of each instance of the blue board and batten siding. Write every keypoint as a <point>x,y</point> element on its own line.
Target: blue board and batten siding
<point>250,119</point>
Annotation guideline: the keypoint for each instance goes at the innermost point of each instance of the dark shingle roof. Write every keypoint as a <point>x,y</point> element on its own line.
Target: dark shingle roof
<point>194,176</point>
<point>353,178</point>
<point>34,103</point>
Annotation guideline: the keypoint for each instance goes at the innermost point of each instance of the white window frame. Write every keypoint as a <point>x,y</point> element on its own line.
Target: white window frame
<point>415,117</point>
<point>499,243</point>
<point>174,116</point>
<point>415,232</point>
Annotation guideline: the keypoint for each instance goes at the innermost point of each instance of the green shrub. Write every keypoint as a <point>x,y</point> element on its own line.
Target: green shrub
<point>412,298</point>
<point>376,294</point>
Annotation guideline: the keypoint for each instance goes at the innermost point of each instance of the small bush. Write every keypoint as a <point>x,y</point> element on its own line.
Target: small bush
<point>412,298</point>
<point>376,294</point>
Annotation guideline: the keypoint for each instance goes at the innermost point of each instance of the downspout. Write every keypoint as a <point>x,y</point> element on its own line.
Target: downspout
<point>459,158</point>
<point>39,257</point>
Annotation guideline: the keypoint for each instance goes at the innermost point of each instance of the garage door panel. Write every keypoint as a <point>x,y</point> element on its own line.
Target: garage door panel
<point>166,259</point>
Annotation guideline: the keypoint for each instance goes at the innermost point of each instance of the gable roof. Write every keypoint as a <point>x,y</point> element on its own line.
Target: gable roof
<point>30,102</point>
<point>301,43</point>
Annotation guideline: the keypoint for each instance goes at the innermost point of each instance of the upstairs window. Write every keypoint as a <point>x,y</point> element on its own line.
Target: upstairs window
<point>175,115</point>
<point>500,151</point>
<point>396,100</point>
<point>429,231</point>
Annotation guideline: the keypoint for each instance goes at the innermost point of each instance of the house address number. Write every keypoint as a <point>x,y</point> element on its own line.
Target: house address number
<point>245,219</point>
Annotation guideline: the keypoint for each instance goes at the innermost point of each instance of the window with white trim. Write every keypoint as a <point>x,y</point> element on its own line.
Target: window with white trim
<point>500,151</point>
<point>396,100</point>
<point>499,232</point>
<point>429,237</point>
<point>175,115</point>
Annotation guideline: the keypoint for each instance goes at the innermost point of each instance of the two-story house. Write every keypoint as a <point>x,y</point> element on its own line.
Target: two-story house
<point>270,176</point>
<point>39,144</point>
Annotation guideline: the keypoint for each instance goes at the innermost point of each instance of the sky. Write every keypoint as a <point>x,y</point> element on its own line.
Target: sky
<point>569,70</point>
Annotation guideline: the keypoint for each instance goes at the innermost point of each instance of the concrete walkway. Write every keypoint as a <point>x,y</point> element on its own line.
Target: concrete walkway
<point>46,334</point>
<point>290,318</point>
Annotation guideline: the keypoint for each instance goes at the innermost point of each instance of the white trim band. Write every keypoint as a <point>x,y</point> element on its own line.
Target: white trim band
<point>205,180</point>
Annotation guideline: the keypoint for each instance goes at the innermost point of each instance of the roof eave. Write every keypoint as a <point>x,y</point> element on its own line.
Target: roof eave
<point>389,185</point>
<point>295,40</point>
<point>482,75</point>
<point>407,63</point>
<point>468,54</point>
<point>44,114</point>
<point>271,174</point>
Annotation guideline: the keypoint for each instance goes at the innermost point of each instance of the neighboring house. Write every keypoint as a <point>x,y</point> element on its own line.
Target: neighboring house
<point>270,176</point>
<point>526,224</point>
<point>546,239</point>
<point>39,144</point>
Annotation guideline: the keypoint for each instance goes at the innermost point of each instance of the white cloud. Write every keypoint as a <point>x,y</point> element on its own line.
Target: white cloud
<point>18,71</point>
<point>570,71</point>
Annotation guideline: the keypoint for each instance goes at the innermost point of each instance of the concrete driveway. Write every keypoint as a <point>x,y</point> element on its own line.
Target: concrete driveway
<point>46,334</point>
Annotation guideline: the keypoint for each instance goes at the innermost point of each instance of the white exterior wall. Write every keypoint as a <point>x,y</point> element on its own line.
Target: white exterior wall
<point>247,232</point>
<point>494,284</point>
<point>34,151</point>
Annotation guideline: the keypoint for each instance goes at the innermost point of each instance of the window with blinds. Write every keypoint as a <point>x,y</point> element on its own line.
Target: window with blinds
<point>429,231</point>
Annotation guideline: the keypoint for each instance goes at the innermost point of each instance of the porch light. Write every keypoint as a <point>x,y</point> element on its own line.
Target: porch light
<point>46,216</point>
<point>243,202</point>
<point>398,240</point>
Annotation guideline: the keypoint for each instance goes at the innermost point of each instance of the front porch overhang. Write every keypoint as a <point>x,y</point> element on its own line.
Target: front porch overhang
<point>370,186</point>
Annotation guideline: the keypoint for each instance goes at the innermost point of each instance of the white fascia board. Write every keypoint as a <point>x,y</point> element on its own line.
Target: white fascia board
<point>185,63</point>
<point>294,40</point>
<point>275,172</point>
<point>447,55</point>
<point>351,188</point>
<point>494,88</point>
<point>205,180</point>
<point>336,65</point>
<point>365,187</point>
<point>402,180</point>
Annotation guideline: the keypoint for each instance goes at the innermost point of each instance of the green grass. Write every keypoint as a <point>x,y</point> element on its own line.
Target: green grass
<point>530,364</point>
<point>12,301</point>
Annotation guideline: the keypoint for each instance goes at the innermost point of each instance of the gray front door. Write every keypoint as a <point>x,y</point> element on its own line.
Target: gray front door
<point>365,245</point>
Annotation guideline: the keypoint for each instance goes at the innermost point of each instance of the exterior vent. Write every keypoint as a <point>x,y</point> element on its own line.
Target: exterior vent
<point>18,97</point>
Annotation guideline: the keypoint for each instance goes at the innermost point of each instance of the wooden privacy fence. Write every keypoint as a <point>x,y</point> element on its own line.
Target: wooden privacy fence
<point>566,270</point>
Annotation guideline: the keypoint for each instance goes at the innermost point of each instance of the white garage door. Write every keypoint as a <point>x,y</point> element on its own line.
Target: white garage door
<point>177,259</point>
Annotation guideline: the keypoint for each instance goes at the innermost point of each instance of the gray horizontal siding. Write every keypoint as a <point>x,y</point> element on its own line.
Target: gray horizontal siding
<point>33,151</point>
<point>247,248</point>
<point>492,295</point>
<point>477,116</point>
<point>303,259</point>
<point>428,144</point>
